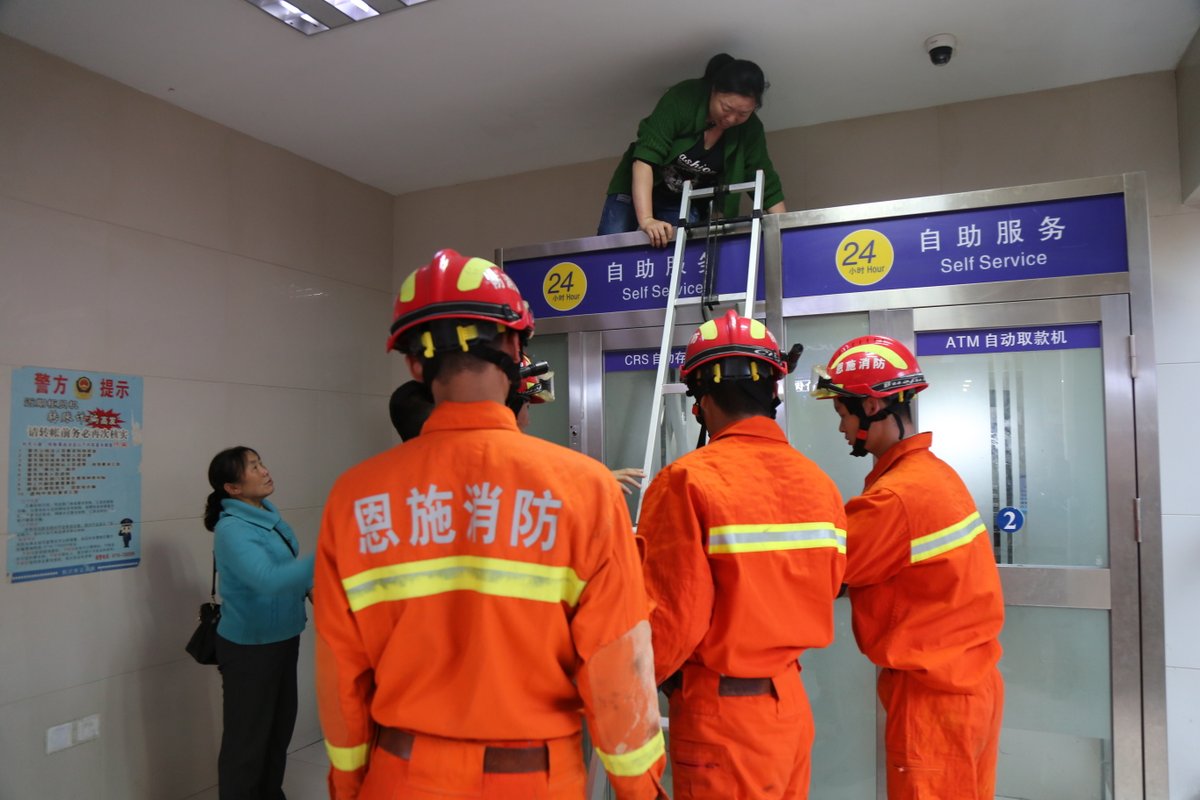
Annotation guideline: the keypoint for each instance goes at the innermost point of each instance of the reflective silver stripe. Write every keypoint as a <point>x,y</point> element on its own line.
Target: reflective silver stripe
<point>956,535</point>
<point>787,536</point>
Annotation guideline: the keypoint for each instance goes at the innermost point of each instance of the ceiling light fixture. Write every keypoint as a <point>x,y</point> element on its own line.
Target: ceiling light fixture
<point>354,9</point>
<point>289,15</point>
<point>317,16</point>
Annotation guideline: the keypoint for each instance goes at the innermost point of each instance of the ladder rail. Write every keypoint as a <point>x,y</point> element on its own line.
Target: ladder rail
<point>673,302</point>
<point>664,350</point>
<point>755,239</point>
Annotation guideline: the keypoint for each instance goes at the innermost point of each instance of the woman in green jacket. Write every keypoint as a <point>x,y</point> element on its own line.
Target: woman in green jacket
<point>704,130</point>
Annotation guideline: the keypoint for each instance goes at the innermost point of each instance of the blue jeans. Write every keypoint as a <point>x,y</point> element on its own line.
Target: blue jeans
<point>618,215</point>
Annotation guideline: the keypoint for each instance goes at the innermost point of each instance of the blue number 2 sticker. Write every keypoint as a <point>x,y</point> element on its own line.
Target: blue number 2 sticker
<point>1010,519</point>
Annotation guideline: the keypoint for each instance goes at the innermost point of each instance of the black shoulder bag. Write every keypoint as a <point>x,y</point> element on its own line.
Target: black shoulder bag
<point>203,644</point>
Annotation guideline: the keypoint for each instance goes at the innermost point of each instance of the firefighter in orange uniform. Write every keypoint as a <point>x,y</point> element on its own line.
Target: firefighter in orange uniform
<point>476,588</point>
<point>745,547</point>
<point>924,588</point>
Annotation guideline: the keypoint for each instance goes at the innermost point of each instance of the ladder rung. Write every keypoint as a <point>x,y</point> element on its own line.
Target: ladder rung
<point>674,388</point>
<point>716,221</point>
<point>721,298</point>
<point>733,187</point>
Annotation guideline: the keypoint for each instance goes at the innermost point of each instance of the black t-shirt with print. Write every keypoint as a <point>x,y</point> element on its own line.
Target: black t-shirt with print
<point>702,167</point>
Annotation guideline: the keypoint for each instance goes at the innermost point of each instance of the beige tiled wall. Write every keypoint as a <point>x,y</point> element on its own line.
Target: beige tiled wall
<point>1123,125</point>
<point>251,290</point>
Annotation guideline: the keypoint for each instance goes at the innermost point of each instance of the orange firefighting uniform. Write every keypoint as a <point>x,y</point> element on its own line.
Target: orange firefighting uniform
<point>928,608</point>
<point>475,587</point>
<point>745,548</point>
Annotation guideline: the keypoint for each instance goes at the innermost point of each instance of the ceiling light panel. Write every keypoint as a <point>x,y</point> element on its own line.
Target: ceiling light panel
<point>356,10</point>
<point>317,16</point>
<point>291,16</point>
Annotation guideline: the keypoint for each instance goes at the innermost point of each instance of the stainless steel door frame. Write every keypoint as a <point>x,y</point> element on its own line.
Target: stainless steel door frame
<point>1118,588</point>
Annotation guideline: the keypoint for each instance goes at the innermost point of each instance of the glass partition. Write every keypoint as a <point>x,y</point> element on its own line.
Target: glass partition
<point>628,391</point>
<point>1057,738</point>
<point>812,425</point>
<point>1025,430</point>
<point>840,681</point>
<point>550,421</point>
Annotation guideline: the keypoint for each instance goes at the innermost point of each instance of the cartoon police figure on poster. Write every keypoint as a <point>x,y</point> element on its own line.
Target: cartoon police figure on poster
<point>74,493</point>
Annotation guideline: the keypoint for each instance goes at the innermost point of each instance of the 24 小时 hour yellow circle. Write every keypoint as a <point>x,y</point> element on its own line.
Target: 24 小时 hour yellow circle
<point>564,286</point>
<point>865,257</point>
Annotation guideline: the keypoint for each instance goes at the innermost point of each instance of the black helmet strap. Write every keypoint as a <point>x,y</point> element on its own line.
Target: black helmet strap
<point>854,405</point>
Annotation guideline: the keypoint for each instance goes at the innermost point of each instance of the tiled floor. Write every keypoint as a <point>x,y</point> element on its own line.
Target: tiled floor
<point>305,776</point>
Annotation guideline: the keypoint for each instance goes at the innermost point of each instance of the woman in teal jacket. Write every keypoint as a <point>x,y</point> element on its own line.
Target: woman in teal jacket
<point>704,130</point>
<point>263,582</point>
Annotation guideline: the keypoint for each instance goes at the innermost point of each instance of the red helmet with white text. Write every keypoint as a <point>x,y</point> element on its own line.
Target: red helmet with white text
<point>869,366</point>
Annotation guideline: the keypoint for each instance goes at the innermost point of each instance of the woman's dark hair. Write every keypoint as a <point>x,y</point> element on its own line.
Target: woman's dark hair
<point>410,405</point>
<point>227,466</point>
<point>725,73</point>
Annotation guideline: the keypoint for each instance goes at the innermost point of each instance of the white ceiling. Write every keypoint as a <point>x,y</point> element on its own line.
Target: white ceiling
<point>460,90</point>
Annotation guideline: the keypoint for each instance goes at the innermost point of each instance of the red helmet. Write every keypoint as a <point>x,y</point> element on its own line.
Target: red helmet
<point>869,366</point>
<point>733,337</point>
<point>453,287</point>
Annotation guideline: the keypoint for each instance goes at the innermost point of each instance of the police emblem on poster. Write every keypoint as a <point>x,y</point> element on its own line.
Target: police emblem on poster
<point>74,490</point>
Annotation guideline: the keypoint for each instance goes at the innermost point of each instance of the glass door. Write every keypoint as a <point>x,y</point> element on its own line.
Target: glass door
<point>1032,404</point>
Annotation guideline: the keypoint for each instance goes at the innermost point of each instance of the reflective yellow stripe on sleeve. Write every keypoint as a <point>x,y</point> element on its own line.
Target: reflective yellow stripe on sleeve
<point>956,535</point>
<point>636,762</point>
<point>347,759</point>
<point>493,576</point>
<point>787,536</point>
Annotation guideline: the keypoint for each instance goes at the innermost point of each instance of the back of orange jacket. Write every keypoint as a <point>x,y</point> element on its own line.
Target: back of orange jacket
<point>745,550</point>
<point>924,586</point>
<point>466,583</point>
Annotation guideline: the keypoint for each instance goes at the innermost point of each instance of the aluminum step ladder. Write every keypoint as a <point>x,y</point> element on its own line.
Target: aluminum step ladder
<point>661,387</point>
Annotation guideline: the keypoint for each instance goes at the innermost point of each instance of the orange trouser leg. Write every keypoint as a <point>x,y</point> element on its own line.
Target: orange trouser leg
<point>941,746</point>
<point>740,747</point>
<point>448,768</point>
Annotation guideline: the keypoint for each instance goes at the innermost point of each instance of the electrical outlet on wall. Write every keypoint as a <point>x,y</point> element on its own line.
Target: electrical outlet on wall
<point>59,737</point>
<point>87,728</point>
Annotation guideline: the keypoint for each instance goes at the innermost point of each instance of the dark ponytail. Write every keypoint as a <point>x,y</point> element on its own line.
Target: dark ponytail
<point>227,466</point>
<point>725,73</point>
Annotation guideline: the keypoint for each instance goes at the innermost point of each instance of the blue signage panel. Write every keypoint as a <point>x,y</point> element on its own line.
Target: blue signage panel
<point>1008,340</point>
<point>1052,239</point>
<point>633,360</point>
<point>627,279</point>
<point>75,488</point>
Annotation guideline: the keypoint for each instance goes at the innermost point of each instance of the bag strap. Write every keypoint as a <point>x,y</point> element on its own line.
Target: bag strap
<point>213,591</point>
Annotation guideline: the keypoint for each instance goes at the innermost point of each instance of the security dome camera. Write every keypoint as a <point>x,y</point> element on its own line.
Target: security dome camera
<point>940,48</point>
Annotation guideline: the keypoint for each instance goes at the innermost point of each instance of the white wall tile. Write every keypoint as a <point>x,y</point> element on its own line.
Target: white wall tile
<point>1175,265</point>
<point>159,148</point>
<point>287,327</point>
<point>185,425</point>
<point>81,629</point>
<point>1178,385</point>
<point>1181,590</point>
<point>164,309</point>
<point>57,129</point>
<point>1128,131</point>
<point>50,317</point>
<point>1183,726</point>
